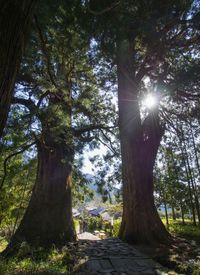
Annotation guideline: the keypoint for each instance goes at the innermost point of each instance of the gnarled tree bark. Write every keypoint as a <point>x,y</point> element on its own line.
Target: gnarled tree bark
<point>48,218</point>
<point>15,18</point>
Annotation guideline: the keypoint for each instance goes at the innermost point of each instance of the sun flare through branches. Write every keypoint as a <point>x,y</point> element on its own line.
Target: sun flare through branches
<point>150,101</point>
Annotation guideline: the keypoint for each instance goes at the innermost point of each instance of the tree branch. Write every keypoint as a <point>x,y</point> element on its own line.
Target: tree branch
<point>25,147</point>
<point>25,102</point>
<point>106,145</point>
<point>45,52</point>
<point>78,132</point>
<point>114,5</point>
<point>42,97</point>
<point>168,120</point>
<point>110,142</point>
<point>187,95</point>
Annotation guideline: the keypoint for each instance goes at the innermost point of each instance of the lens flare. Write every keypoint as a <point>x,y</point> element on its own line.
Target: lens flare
<point>150,101</point>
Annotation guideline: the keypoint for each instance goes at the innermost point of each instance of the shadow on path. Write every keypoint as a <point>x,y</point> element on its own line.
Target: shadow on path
<point>112,256</point>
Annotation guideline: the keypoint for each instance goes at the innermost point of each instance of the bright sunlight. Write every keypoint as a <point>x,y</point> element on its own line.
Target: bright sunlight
<point>150,101</point>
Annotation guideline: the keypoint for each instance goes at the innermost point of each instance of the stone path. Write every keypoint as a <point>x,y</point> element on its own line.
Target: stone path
<point>87,236</point>
<point>112,257</point>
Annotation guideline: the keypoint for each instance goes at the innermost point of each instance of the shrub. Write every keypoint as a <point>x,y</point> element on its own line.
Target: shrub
<point>76,225</point>
<point>94,223</point>
<point>116,227</point>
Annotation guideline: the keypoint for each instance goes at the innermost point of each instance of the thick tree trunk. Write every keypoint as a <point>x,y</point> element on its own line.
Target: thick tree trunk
<point>48,218</point>
<point>139,145</point>
<point>15,17</point>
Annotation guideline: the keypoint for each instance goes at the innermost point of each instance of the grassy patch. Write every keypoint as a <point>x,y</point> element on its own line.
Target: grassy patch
<point>187,229</point>
<point>37,261</point>
<point>178,228</point>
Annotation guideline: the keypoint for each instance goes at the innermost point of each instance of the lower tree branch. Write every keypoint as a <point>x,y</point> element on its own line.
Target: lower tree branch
<point>28,103</point>
<point>107,9</point>
<point>23,149</point>
<point>88,128</point>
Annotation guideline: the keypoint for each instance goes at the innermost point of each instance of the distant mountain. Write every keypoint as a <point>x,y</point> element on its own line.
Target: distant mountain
<point>116,191</point>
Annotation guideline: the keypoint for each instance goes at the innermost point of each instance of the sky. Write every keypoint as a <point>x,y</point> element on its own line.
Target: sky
<point>88,166</point>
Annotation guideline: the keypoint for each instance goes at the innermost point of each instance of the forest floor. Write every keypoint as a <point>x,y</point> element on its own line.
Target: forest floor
<point>182,256</point>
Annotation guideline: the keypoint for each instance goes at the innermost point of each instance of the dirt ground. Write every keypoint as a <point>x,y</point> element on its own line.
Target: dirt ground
<point>182,255</point>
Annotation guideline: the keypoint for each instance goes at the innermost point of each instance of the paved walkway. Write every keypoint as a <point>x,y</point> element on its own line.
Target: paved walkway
<point>113,257</point>
<point>88,236</point>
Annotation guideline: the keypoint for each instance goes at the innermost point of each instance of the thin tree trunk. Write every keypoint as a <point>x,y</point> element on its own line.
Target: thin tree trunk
<point>190,194</point>
<point>182,214</point>
<point>139,145</point>
<point>166,214</point>
<point>195,191</point>
<point>195,151</point>
<point>189,184</point>
<point>15,18</point>
<point>173,213</point>
<point>194,186</point>
<point>196,200</point>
